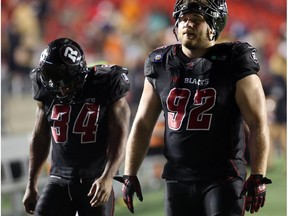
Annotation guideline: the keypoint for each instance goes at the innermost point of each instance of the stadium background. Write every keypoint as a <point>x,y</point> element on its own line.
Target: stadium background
<point>124,32</point>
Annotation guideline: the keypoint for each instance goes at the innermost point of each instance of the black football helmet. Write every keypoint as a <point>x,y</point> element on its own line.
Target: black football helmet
<point>63,68</point>
<point>215,12</point>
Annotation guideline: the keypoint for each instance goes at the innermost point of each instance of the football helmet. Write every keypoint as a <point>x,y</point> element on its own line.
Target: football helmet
<point>63,68</point>
<point>215,12</point>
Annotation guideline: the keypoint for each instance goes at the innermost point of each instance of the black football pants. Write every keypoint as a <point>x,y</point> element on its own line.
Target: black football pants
<point>65,197</point>
<point>204,198</point>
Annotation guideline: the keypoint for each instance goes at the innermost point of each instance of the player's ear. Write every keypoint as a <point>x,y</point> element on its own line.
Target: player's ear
<point>211,34</point>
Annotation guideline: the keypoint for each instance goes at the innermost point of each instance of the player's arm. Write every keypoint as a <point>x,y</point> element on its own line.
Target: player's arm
<point>138,142</point>
<point>118,123</point>
<point>119,118</point>
<point>139,138</point>
<point>39,150</point>
<point>251,101</point>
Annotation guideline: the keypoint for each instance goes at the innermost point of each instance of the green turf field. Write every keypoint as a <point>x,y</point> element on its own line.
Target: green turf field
<point>275,200</point>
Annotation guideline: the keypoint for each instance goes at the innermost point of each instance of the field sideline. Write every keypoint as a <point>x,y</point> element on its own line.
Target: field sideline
<point>275,201</point>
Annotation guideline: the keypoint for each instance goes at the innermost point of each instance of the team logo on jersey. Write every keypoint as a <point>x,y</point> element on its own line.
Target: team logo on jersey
<point>190,65</point>
<point>90,100</point>
<point>195,81</point>
<point>125,77</point>
<point>174,79</point>
<point>220,58</point>
<point>158,57</point>
<point>254,57</point>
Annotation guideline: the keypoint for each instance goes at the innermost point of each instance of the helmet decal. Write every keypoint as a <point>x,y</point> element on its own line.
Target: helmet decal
<point>254,57</point>
<point>70,54</point>
<point>43,57</point>
<point>125,77</point>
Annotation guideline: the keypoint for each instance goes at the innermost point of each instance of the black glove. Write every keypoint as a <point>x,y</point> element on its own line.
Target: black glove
<point>255,187</point>
<point>131,185</point>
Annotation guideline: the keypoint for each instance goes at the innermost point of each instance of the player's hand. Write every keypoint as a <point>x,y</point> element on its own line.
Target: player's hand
<point>100,191</point>
<point>131,185</point>
<point>255,190</point>
<point>30,199</point>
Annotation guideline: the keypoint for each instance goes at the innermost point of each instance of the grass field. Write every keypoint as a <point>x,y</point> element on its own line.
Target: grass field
<point>153,204</point>
<point>275,199</point>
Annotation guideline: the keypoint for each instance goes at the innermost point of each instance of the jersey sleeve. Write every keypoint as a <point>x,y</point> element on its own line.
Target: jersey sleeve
<point>156,57</point>
<point>114,82</point>
<point>244,60</point>
<point>148,70</point>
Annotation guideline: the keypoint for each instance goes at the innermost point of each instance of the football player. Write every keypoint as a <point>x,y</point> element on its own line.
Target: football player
<point>206,91</point>
<point>83,111</point>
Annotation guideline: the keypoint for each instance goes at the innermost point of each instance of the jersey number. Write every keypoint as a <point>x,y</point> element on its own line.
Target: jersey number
<point>85,123</point>
<point>198,117</point>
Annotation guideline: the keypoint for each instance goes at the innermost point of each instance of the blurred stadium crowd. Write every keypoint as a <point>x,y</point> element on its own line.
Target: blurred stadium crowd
<point>124,32</point>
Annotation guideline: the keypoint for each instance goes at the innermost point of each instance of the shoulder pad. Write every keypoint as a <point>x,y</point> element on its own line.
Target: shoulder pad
<point>106,68</point>
<point>158,54</point>
<point>244,60</point>
<point>242,47</point>
<point>107,83</point>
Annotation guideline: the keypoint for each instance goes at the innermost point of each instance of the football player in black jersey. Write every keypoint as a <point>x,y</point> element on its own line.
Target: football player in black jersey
<point>206,91</point>
<point>83,112</point>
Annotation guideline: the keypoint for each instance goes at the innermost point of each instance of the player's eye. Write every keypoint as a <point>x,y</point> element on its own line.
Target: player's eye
<point>193,18</point>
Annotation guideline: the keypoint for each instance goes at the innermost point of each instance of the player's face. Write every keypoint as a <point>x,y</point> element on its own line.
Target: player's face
<point>193,31</point>
<point>63,90</point>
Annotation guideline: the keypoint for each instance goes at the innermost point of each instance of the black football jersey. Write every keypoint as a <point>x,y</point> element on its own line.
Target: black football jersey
<point>80,128</point>
<point>204,135</point>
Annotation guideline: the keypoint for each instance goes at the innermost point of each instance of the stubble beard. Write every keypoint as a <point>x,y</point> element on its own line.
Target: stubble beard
<point>197,43</point>
<point>194,44</point>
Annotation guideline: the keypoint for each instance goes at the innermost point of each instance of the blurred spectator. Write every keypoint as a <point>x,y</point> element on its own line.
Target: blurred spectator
<point>276,95</point>
<point>23,38</point>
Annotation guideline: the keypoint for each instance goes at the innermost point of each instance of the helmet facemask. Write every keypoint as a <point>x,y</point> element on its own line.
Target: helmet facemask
<point>63,89</point>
